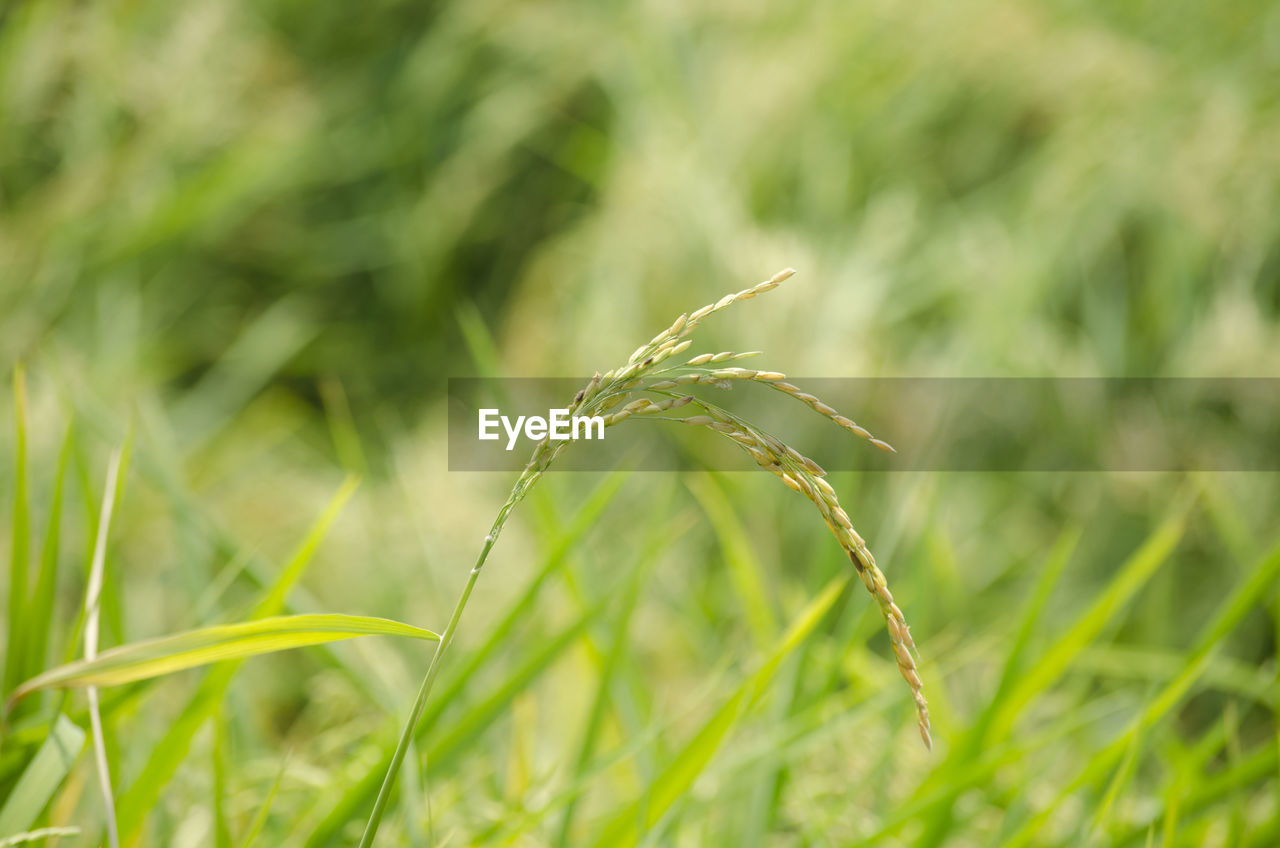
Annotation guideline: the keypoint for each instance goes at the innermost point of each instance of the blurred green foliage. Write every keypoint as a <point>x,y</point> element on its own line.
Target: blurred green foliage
<point>216,162</point>
<point>1006,183</point>
<point>258,237</point>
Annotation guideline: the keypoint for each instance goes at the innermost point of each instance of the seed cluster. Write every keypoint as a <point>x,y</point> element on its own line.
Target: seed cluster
<point>612,396</point>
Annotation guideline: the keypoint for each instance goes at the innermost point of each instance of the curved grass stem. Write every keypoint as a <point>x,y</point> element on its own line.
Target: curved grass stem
<point>605,392</point>
<point>406,733</point>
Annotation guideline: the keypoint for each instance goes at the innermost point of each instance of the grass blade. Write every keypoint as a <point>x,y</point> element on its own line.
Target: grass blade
<point>172,749</point>
<point>442,751</point>
<point>245,367</point>
<point>342,427</point>
<point>970,745</point>
<point>483,713</point>
<point>169,654</point>
<point>221,827</point>
<point>163,468</point>
<point>745,570</point>
<point>1131,577</point>
<point>480,342</point>
<point>1244,599</point>
<point>42,777</point>
<point>38,835</point>
<point>626,825</point>
<point>1120,782</point>
<point>609,669</point>
<point>360,791</point>
<point>1216,788</point>
<point>18,550</point>
<point>93,595</point>
<point>41,609</point>
<point>587,516</point>
<point>260,818</point>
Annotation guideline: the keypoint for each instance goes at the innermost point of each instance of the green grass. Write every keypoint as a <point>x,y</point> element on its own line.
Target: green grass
<point>258,237</point>
<point>1073,682</point>
<point>19,534</point>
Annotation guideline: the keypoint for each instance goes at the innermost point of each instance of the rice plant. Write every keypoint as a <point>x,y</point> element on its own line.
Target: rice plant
<point>607,395</point>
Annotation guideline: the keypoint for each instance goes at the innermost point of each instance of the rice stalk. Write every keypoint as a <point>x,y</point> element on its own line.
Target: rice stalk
<point>604,394</point>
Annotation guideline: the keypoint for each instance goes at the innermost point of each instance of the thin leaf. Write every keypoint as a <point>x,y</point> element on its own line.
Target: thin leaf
<point>480,342</point>
<point>966,748</point>
<point>19,544</point>
<point>168,654</point>
<point>592,508</point>
<point>260,818</point>
<point>478,717</point>
<point>484,712</point>
<point>596,714</point>
<point>746,573</point>
<point>221,827</point>
<point>41,609</point>
<point>38,835</point>
<point>626,825</point>
<point>1120,782</point>
<point>1131,577</point>
<point>342,427</point>
<point>42,777</point>
<point>93,595</point>
<point>172,749</point>
<point>1242,601</point>
<point>1253,769</point>
<point>263,347</point>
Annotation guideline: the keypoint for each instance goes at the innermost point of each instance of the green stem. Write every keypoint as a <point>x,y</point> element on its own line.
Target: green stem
<point>406,734</point>
<point>543,456</point>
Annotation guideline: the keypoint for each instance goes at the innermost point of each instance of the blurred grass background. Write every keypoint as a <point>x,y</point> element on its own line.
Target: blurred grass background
<point>260,237</point>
